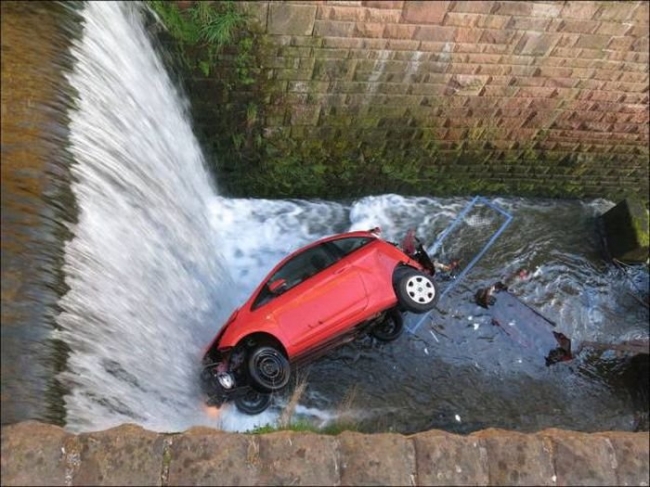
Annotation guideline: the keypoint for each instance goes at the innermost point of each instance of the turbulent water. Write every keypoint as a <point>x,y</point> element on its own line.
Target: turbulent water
<point>159,259</point>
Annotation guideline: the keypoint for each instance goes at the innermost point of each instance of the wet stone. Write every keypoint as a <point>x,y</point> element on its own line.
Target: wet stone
<point>299,459</point>
<point>202,456</point>
<point>33,454</point>
<point>517,459</point>
<point>447,459</point>
<point>626,231</point>
<point>380,459</point>
<point>582,459</point>
<point>126,455</point>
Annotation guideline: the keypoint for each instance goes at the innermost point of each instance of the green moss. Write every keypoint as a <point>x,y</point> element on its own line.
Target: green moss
<point>303,426</point>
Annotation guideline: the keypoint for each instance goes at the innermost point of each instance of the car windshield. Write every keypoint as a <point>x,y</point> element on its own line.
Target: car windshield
<point>308,263</point>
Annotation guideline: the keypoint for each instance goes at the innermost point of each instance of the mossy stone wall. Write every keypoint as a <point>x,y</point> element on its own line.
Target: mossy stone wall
<point>447,97</point>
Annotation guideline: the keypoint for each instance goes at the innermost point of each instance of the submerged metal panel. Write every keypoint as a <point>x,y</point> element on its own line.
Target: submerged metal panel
<point>466,269</point>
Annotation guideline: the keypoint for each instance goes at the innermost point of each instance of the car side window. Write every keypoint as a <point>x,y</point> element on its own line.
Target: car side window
<point>295,271</point>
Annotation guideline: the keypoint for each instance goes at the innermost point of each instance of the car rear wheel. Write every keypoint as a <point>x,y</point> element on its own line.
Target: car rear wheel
<point>389,327</point>
<point>253,402</point>
<point>268,368</point>
<point>416,291</point>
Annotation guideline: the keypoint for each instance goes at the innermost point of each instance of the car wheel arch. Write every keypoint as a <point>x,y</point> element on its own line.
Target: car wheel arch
<point>399,269</point>
<point>262,338</point>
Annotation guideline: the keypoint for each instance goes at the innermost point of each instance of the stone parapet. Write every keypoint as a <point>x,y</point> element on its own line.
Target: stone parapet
<point>40,454</point>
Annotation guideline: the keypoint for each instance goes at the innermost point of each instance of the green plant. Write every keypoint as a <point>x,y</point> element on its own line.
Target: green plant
<point>204,28</point>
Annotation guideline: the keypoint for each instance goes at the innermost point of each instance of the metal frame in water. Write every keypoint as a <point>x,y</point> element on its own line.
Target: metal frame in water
<point>436,245</point>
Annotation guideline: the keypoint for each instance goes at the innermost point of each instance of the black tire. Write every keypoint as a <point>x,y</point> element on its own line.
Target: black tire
<point>268,369</point>
<point>416,291</point>
<point>389,328</point>
<point>253,402</point>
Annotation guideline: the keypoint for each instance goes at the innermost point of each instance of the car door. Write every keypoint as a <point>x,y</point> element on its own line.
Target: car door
<point>328,292</point>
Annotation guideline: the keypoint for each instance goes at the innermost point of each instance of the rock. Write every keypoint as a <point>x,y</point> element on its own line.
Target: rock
<point>626,231</point>
<point>380,459</point>
<point>33,454</point>
<point>445,459</point>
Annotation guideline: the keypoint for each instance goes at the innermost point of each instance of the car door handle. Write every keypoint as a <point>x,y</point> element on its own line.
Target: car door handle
<point>342,269</point>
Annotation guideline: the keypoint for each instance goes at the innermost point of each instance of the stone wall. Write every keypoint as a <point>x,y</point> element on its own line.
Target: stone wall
<point>519,97</point>
<point>39,454</point>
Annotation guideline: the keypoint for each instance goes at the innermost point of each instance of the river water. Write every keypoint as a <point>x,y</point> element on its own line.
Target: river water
<point>121,259</point>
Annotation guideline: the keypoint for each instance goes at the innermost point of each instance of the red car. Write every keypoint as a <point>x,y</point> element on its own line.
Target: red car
<point>322,295</point>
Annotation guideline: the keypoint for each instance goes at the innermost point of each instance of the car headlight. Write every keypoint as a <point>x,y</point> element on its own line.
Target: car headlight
<point>226,380</point>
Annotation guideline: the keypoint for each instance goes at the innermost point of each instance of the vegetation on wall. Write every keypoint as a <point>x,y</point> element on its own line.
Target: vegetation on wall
<point>216,49</point>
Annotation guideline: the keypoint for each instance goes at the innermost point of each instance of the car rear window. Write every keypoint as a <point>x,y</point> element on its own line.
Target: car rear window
<point>350,244</point>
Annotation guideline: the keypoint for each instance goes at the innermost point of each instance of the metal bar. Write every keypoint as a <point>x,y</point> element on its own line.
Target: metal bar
<point>434,247</point>
<point>476,258</point>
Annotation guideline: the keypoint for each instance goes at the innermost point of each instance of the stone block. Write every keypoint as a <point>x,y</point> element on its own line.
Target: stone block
<point>425,12</point>
<point>125,455</point>
<point>517,459</point>
<point>528,23</point>
<point>460,19</point>
<point>381,459</point>
<point>579,10</point>
<point>435,33</point>
<point>399,31</point>
<point>522,9</point>
<point>387,4</point>
<point>291,19</point>
<point>468,35</point>
<point>368,29</point>
<point>492,21</point>
<point>304,114</point>
<point>536,44</point>
<point>208,457</point>
<point>330,28</point>
<point>550,10</point>
<point>446,459</point>
<point>580,459</point>
<point>592,42</point>
<point>352,14</point>
<point>617,11</point>
<point>26,461</point>
<point>626,231</point>
<point>483,7</point>
<point>285,455</point>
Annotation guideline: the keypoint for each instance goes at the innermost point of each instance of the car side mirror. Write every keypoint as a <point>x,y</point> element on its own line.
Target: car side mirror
<point>277,286</point>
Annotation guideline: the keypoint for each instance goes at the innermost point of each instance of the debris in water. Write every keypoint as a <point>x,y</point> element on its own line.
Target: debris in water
<point>434,336</point>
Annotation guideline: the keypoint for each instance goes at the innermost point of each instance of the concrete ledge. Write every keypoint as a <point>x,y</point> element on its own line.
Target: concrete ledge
<point>40,454</point>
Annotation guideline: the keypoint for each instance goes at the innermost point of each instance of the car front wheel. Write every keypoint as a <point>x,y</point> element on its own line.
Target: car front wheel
<point>416,291</point>
<point>268,368</point>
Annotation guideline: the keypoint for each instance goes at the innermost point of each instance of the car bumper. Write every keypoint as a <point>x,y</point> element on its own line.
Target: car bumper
<point>212,385</point>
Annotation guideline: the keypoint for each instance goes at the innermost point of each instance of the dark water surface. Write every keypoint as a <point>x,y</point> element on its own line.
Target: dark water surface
<point>120,260</point>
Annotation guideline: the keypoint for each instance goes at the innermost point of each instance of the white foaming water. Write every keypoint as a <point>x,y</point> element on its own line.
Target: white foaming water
<point>147,281</point>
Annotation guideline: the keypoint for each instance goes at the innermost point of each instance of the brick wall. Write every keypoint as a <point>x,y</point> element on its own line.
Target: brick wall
<point>524,95</point>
